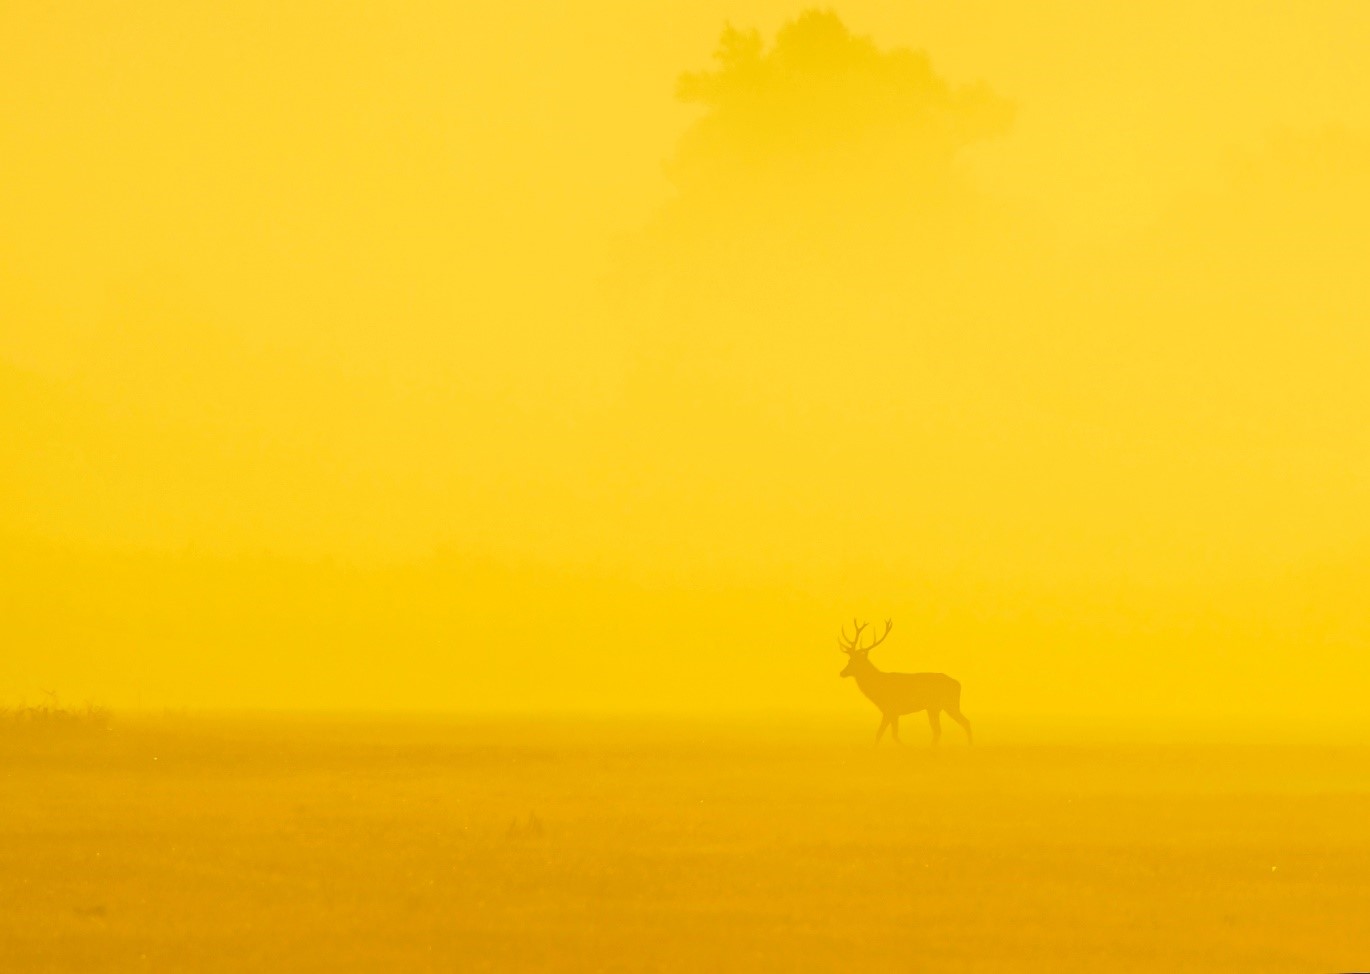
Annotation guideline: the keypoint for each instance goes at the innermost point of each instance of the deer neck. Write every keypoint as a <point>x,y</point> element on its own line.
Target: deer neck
<point>868,679</point>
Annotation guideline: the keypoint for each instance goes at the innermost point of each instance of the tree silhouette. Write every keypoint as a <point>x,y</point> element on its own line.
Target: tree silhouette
<point>824,103</point>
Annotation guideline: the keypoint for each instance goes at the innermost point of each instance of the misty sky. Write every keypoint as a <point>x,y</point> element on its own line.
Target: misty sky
<point>340,347</point>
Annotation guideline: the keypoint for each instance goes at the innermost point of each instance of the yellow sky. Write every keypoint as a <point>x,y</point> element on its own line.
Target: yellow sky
<point>371,356</point>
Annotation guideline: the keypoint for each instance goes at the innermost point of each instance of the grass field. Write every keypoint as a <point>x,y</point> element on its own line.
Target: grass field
<point>365,845</point>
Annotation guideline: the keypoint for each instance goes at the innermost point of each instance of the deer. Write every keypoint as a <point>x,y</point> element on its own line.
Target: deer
<point>897,694</point>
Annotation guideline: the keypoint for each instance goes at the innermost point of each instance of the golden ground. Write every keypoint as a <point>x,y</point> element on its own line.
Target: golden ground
<point>364,845</point>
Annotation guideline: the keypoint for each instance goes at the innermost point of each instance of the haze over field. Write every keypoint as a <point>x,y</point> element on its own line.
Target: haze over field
<point>403,356</point>
<point>439,446</point>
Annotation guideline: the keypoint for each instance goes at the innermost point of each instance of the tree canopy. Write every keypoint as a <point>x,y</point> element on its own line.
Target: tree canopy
<point>822,100</point>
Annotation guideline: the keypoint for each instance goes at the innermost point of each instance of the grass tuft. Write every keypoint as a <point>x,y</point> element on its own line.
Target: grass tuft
<point>54,717</point>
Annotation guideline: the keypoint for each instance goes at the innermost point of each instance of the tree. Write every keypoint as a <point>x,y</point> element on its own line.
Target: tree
<point>823,105</point>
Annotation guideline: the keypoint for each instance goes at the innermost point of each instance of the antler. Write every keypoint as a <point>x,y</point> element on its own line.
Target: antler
<point>850,646</point>
<point>853,645</point>
<point>889,624</point>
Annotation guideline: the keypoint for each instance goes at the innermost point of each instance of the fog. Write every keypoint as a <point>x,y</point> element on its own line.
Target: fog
<point>607,360</point>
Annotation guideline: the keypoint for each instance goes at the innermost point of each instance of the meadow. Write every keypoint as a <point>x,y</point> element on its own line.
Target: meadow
<point>365,844</point>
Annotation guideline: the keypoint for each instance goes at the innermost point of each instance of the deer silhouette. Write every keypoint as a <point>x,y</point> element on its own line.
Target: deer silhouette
<point>897,694</point>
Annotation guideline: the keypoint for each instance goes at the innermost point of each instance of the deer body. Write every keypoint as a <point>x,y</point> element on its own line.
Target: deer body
<point>897,694</point>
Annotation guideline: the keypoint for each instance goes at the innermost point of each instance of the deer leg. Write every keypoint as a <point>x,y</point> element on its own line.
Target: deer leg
<point>960,718</point>
<point>935,719</point>
<point>884,722</point>
<point>894,728</point>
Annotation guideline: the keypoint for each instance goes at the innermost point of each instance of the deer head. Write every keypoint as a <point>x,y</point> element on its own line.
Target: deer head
<point>853,648</point>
